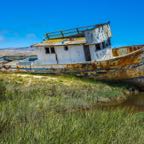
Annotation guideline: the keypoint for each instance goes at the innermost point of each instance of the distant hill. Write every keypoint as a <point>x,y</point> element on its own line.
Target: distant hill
<point>17,51</point>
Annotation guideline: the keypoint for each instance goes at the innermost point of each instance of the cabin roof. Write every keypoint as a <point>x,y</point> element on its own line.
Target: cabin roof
<point>77,36</point>
<point>62,42</point>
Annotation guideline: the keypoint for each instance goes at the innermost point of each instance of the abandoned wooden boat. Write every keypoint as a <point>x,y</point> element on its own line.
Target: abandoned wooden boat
<point>87,51</point>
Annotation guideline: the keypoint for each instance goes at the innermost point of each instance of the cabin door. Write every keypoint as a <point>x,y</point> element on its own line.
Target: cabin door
<point>87,53</point>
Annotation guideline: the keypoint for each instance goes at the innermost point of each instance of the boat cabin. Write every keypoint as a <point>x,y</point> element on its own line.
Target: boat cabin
<point>79,45</point>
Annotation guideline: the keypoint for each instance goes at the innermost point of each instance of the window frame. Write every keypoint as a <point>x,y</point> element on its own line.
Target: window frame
<point>47,50</point>
<point>66,48</point>
<point>52,50</point>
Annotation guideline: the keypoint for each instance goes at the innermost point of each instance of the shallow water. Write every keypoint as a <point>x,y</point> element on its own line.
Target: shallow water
<point>134,102</point>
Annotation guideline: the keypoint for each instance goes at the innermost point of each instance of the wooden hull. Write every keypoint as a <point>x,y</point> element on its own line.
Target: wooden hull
<point>126,67</point>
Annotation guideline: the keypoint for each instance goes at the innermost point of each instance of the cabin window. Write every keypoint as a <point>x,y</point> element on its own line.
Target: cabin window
<point>52,50</point>
<point>66,48</point>
<point>47,51</point>
<point>98,47</point>
<point>109,42</point>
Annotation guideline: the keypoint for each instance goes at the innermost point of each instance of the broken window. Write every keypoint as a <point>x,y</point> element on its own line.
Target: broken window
<point>98,47</point>
<point>66,48</point>
<point>47,51</point>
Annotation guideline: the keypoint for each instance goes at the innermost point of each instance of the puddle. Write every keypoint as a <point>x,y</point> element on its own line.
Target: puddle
<point>135,102</point>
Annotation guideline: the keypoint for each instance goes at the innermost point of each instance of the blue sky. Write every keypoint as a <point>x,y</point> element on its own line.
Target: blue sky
<point>23,22</point>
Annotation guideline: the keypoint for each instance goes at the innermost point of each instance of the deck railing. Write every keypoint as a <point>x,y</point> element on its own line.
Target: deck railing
<point>76,32</point>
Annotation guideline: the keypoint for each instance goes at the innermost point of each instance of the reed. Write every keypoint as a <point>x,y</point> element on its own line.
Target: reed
<point>53,109</point>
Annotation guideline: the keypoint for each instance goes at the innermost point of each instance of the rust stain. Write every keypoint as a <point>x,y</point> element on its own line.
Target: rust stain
<point>128,64</point>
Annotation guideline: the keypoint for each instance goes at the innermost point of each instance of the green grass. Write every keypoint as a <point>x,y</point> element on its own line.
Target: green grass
<point>52,109</point>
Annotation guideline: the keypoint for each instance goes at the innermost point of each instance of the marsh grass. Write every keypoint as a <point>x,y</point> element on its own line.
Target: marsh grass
<point>33,110</point>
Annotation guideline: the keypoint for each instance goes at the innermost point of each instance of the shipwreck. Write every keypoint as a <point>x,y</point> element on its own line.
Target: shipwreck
<point>87,51</point>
